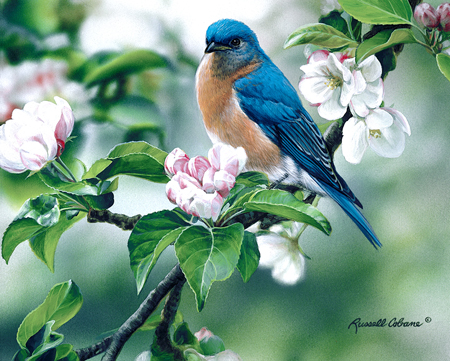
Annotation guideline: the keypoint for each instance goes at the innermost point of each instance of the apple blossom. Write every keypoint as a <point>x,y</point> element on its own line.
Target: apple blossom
<point>443,12</point>
<point>426,15</point>
<point>280,251</point>
<point>329,84</point>
<point>35,135</point>
<point>197,166</point>
<point>225,157</point>
<point>369,90</point>
<point>176,161</point>
<point>198,185</point>
<point>383,130</point>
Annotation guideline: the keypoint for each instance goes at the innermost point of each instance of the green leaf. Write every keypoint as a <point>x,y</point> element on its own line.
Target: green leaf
<point>319,34</point>
<point>153,321</point>
<point>207,255</point>
<point>151,235</point>
<point>46,343</point>
<point>51,177</point>
<point>21,355</point>
<point>39,338</point>
<point>45,242</point>
<point>379,11</point>
<point>125,64</point>
<point>35,216</point>
<point>43,209</point>
<point>284,204</point>
<point>62,303</point>
<point>184,336</point>
<point>443,62</point>
<point>249,257</point>
<point>64,352</point>
<point>16,233</point>
<point>384,40</point>
<point>48,355</point>
<point>103,201</point>
<point>71,356</point>
<point>335,20</point>
<point>251,179</point>
<point>138,159</point>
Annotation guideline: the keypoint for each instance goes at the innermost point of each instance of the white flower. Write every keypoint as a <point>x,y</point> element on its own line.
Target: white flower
<point>35,135</point>
<point>369,90</point>
<point>383,129</point>
<point>327,82</point>
<point>280,251</point>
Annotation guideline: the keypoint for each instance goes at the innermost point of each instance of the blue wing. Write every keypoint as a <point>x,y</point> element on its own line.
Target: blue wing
<point>268,99</point>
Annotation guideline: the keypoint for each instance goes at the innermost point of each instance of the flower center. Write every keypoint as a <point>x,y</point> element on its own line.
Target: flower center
<point>376,133</point>
<point>333,81</point>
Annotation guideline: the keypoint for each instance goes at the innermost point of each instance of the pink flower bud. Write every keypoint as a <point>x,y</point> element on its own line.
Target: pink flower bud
<point>176,161</point>
<point>208,180</point>
<point>186,181</point>
<point>204,333</point>
<point>443,11</point>
<point>206,205</point>
<point>197,167</point>
<point>173,190</point>
<point>223,182</point>
<point>426,15</point>
<point>225,157</point>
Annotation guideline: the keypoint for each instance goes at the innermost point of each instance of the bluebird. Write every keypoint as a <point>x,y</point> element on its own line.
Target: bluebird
<point>246,101</point>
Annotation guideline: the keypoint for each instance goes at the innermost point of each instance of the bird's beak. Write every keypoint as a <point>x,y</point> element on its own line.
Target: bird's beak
<point>212,47</point>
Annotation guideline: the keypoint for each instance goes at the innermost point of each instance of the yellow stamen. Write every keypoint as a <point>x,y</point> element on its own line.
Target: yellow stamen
<point>376,133</point>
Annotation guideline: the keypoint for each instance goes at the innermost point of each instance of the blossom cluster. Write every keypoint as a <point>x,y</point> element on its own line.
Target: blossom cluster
<point>432,18</point>
<point>35,135</point>
<point>335,82</point>
<point>31,80</point>
<point>198,185</point>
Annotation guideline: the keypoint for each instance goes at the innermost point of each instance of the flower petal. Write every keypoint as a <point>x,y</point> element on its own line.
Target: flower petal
<point>354,140</point>
<point>400,119</point>
<point>371,68</point>
<point>391,142</point>
<point>332,108</point>
<point>378,118</point>
<point>315,89</point>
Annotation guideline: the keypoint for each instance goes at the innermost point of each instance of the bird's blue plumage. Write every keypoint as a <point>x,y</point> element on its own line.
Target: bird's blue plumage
<point>267,98</point>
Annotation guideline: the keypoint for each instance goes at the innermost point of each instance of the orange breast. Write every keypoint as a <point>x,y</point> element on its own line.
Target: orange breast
<point>225,121</point>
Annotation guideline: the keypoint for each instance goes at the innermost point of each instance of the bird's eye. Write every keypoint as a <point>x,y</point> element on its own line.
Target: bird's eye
<point>235,42</point>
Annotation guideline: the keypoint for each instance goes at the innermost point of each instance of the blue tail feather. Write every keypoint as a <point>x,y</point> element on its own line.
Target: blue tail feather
<point>354,213</point>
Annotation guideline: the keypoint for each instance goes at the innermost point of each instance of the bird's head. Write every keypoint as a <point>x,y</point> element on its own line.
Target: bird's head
<point>233,42</point>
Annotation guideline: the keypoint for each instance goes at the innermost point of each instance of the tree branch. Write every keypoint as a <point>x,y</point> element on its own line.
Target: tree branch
<point>114,344</point>
<point>122,221</point>
<point>162,336</point>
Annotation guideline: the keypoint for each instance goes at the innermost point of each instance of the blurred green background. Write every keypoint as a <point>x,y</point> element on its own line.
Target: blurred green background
<point>405,199</point>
